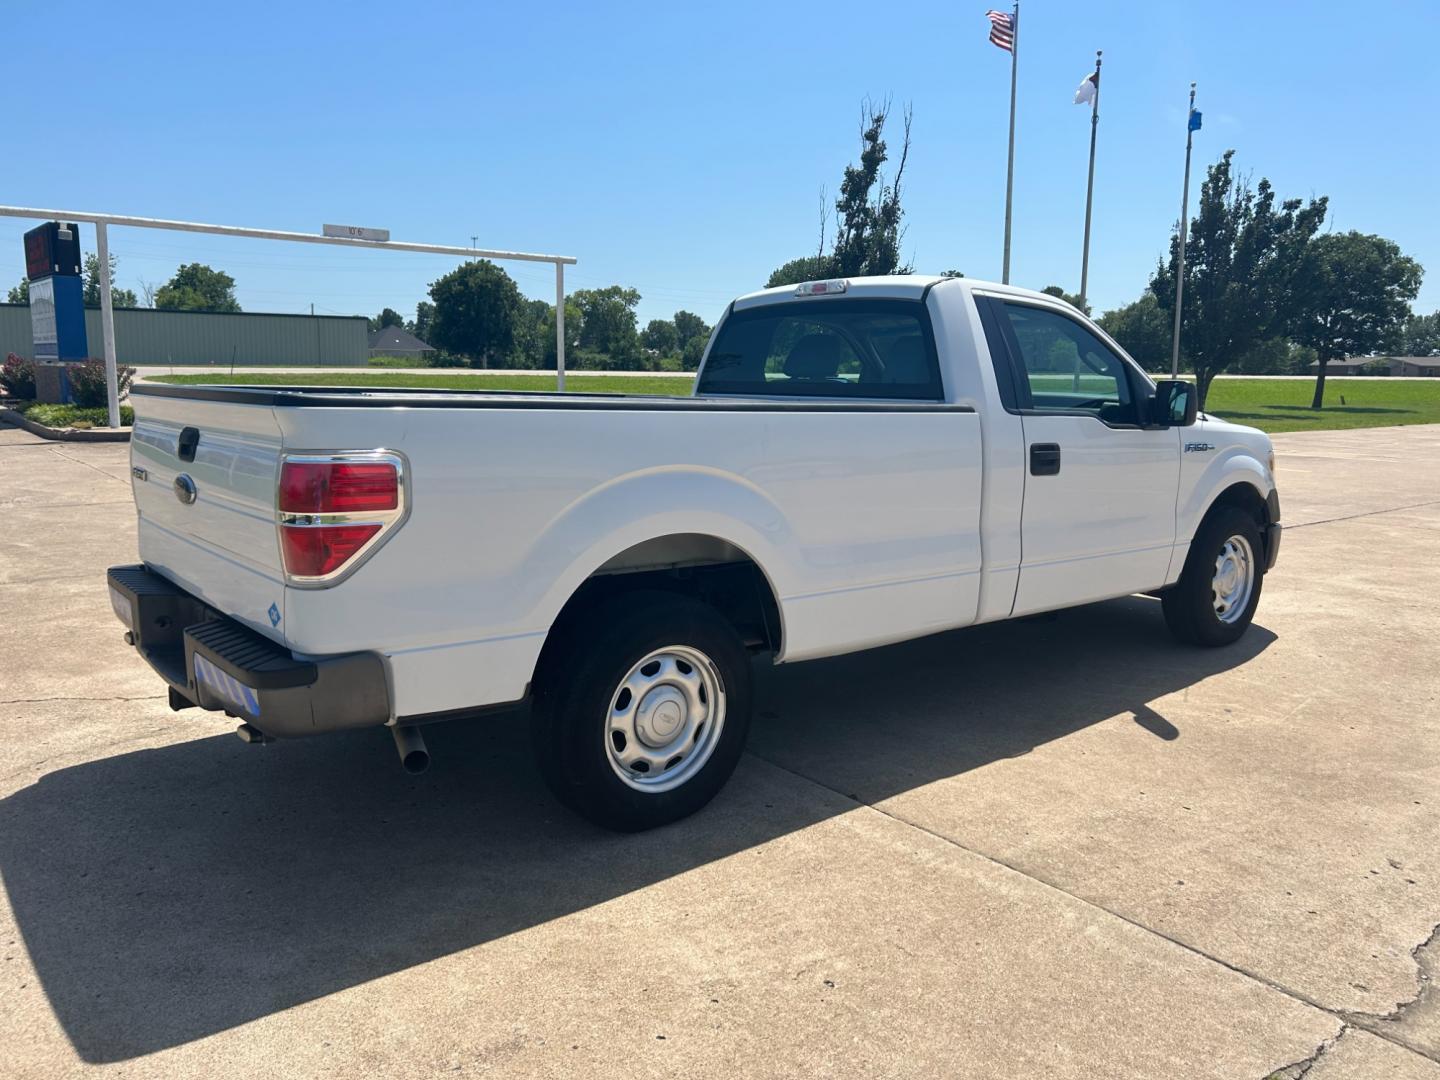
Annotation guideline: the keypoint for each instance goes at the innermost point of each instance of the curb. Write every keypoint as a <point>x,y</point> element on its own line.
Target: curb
<point>10,416</point>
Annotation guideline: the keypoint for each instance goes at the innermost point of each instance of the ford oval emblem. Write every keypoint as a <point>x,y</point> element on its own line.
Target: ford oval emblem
<point>185,489</point>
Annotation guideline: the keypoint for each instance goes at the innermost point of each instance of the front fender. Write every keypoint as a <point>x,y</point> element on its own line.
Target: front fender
<point>1233,465</point>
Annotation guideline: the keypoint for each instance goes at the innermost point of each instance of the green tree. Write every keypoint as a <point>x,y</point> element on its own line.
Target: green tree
<point>1421,336</point>
<point>660,336</point>
<point>20,294</point>
<point>952,273</point>
<point>1142,330</point>
<point>1353,298</point>
<point>692,351</point>
<point>476,306</point>
<point>90,287</point>
<point>387,317</point>
<point>867,239</point>
<point>607,321</point>
<point>535,333</point>
<point>1073,299</point>
<point>1242,260</point>
<point>424,317</point>
<point>197,287</point>
<point>808,268</point>
<point>868,214</point>
<point>688,327</point>
<point>1275,356</point>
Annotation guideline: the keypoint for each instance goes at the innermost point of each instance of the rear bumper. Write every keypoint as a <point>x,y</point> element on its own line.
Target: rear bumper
<point>213,662</point>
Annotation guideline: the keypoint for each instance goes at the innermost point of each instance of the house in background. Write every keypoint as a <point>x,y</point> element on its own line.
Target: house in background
<point>1410,367</point>
<point>1415,365</point>
<point>397,341</point>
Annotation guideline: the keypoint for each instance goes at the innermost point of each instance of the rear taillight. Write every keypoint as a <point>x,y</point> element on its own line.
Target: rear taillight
<point>333,510</point>
<point>338,487</point>
<point>319,550</point>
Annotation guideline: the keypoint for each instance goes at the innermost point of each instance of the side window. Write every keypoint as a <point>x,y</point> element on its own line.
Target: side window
<point>1067,367</point>
<point>841,347</point>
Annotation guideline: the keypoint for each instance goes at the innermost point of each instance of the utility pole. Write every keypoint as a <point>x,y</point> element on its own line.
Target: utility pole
<point>1090,184</point>
<point>1190,126</point>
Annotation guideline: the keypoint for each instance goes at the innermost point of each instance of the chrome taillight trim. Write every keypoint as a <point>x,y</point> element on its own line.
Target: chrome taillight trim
<point>388,520</point>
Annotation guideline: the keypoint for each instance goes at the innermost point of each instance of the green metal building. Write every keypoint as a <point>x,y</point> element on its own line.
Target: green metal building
<point>145,336</point>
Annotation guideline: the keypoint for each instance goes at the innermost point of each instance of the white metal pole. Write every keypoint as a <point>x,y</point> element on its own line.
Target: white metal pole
<point>1184,226</point>
<point>1010,166</point>
<point>559,325</point>
<point>129,221</point>
<point>107,324</point>
<point>1090,185</point>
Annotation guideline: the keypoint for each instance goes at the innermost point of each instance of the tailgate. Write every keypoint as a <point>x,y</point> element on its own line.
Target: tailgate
<point>220,545</point>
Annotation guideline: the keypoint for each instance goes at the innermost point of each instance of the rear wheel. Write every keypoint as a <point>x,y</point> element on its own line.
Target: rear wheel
<point>641,710</point>
<point>1214,601</point>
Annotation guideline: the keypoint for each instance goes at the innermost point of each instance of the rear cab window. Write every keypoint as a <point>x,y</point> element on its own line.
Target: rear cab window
<point>833,348</point>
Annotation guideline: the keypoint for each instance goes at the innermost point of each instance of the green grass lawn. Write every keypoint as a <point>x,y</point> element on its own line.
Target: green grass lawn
<point>1284,404</point>
<point>1269,404</point>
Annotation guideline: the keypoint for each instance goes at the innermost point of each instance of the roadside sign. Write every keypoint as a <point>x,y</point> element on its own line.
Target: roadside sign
<point>356,232</point>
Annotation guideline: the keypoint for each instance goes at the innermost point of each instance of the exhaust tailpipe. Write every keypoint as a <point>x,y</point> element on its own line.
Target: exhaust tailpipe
<point>410,745</point>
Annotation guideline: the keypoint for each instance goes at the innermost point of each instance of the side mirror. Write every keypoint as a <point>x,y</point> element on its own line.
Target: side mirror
<point>1175,403</point>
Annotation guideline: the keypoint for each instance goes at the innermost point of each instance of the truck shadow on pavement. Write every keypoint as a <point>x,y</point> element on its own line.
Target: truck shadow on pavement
<point>165,895</point>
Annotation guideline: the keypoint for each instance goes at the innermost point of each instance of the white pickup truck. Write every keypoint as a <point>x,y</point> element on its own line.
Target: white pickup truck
<point>862,462</point>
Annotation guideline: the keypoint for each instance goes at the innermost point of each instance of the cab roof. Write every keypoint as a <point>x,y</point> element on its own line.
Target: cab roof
<point>897,286</point>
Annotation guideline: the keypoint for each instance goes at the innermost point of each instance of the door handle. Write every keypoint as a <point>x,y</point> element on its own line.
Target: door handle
<point>186,444</point>
<point>1044,459</point>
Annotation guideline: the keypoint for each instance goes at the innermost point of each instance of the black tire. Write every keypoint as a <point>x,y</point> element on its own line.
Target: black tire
<point>1189,604</point>
<point>577,683</point>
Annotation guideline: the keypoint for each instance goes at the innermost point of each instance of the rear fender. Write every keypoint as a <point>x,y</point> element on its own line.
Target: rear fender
<point>612,519</point>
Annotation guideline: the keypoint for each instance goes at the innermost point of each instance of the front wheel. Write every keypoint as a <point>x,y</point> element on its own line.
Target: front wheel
<point>1216,596</point>
<point>641,710</point>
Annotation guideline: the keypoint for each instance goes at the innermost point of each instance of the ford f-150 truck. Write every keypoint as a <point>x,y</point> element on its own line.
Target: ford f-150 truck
<point>861,462</point>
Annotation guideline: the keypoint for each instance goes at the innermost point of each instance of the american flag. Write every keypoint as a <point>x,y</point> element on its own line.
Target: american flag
<point>1002,29</point>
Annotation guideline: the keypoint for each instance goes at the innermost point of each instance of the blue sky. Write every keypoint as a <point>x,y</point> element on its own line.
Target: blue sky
<point>681,148</point>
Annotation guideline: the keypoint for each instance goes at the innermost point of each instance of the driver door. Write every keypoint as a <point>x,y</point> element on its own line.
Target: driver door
<point>1098,516</point>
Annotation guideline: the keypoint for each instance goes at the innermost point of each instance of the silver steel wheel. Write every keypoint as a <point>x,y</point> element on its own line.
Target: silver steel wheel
<point>1234,579</point>
<point>665,719</point>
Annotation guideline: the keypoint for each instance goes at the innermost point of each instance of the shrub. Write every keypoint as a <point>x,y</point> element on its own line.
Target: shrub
<point>63,416</point>
<point>17,375</point>
<point>87,382</point>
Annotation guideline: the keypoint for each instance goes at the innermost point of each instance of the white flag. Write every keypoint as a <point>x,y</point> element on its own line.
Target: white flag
<point>1085,93</point>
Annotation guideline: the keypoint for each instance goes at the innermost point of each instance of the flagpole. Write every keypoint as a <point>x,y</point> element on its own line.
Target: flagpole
<point>1090,185</point>
<point>1184,225</point>
<point>1010,166</point>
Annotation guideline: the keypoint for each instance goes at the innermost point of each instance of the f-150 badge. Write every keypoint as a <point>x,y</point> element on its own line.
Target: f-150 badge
<point>1198,447</point>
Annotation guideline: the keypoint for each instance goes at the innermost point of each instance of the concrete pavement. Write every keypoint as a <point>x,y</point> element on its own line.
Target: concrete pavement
<point>1064,847</point>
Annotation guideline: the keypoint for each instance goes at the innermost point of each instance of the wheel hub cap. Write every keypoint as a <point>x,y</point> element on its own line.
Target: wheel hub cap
<point>660,716</point>
<point>665,718</point>
<point>1234,579</point>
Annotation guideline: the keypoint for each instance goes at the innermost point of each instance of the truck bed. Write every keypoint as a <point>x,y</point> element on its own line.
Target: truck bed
<point>864,515</point>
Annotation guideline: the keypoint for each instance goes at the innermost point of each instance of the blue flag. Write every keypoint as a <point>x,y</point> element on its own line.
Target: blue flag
<point>1194,120</point>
